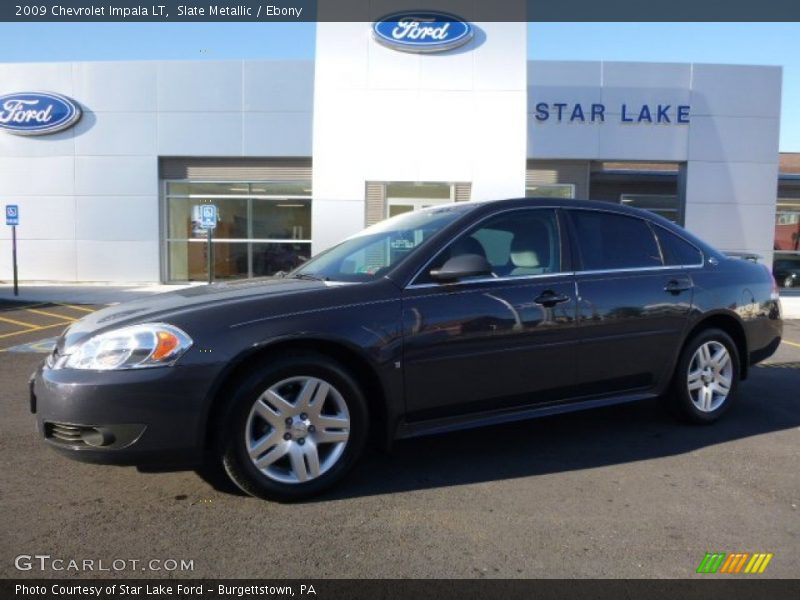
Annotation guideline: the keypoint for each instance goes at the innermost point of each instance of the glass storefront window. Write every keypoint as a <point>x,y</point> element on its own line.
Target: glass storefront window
<point>263,228</point>
<point>555,190</point>
<point>786,261</point>
<point>281,219</point>
<point>787,225</point>
<point>230,259</point>
<point>269,258</point>
<point>665,205</point>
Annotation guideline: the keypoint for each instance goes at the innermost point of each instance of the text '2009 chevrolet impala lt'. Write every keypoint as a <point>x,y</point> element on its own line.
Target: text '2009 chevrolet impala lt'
<point>436,320</point>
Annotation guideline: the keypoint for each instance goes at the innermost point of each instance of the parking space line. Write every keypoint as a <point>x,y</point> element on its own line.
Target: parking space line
<point>15,307</point>
<point>35,328</point>
<point>31,326</point>
<point>15,333</point>
<point>49,314</point>
<point>795,344</point>
<point>84,309</point>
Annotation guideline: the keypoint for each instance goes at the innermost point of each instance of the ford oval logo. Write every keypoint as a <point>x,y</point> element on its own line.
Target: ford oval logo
<point>412,31</point>
<point>37,113</point>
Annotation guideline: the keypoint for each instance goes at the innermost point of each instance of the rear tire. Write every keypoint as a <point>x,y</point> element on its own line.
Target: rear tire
<point>294,428</point>
<point>706,378</point>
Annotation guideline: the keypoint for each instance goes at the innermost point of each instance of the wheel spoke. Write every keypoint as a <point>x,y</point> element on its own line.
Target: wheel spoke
<point>298,462</point>
<point>318,401</point>
<point>706,397</point>
<point>283,406</point>
<point>724,382</point>
<point>695,380</point>
<point>269,414</point>
<point>329,422</point>
<point>264,444</point>
<point>705,355</point>
<point>331,437</point>
<point>270,457</point>
<point>306,394</point>
<point>721,358</point>
<point>312,458</point>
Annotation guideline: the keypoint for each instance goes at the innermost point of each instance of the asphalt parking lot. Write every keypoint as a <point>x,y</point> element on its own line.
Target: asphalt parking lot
<point>617,492</point>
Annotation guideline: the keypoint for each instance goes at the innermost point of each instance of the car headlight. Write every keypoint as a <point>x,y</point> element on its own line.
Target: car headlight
<point>134,347</point>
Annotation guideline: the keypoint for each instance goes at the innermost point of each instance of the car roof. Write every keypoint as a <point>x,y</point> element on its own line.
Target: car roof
<point>562,203</point>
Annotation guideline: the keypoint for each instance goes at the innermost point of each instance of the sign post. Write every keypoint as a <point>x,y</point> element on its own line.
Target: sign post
<point>12,219</point>
<point>208,221</point>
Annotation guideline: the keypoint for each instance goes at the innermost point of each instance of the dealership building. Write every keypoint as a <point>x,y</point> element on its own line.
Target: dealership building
<point>296,155</point>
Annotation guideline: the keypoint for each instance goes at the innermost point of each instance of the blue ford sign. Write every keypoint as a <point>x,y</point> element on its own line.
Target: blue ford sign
<point>37,113</point>
<point>422,32</point>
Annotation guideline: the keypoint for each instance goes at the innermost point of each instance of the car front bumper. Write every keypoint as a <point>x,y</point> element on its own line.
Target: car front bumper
<point>146,417</point>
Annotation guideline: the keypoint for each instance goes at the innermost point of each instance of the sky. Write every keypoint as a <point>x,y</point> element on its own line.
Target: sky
<point>735,43</point>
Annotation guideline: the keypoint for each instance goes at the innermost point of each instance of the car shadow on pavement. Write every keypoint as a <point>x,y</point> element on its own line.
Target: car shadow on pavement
<point>768,402</point>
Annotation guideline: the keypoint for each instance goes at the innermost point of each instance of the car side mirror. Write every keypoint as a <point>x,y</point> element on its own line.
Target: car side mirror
<point>461,267</point>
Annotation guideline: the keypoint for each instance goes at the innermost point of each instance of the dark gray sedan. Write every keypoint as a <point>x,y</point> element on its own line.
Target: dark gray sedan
<point>442,319</point>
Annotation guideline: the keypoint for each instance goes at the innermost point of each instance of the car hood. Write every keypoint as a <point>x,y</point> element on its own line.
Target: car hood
<point>161,306</point>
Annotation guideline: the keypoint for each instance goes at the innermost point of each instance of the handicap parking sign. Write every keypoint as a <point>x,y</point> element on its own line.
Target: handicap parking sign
<point>208,216</point>
<point>12,214</point>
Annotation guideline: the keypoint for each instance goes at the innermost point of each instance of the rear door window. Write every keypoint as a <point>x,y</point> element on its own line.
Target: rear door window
<point>676,250</point>
<point>612,241</point>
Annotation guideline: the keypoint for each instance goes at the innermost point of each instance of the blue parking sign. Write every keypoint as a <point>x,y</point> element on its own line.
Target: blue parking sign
<point>12,214</point>
<point>208,216</point>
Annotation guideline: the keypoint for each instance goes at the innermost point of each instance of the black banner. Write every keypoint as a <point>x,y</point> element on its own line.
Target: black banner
<point>735,588</point>
<point>370,10</point>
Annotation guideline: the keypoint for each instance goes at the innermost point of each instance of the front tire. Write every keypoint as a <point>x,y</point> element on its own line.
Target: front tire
<point>295,427</point>
<point>707,377</point>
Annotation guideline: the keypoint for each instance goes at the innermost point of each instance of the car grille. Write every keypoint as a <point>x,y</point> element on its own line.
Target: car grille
<point>71,435</point>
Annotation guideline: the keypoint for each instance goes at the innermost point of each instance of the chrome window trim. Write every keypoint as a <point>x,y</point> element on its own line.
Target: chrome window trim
<point>416,286</point>
<point>636,269</point>
<point>552,275</point>
<point>700,265</point>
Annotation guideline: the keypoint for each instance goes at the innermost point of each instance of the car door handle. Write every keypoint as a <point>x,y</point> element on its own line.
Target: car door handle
<point>550,298</point>
<point>676,286</point>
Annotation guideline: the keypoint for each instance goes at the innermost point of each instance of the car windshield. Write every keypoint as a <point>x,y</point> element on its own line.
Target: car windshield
<point>372,252</point>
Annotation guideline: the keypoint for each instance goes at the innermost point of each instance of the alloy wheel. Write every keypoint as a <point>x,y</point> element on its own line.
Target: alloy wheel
<point>710,376</point>
<point>297,429</point>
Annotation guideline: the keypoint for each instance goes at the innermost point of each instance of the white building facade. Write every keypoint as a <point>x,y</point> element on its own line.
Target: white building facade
<point>298,154</point>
